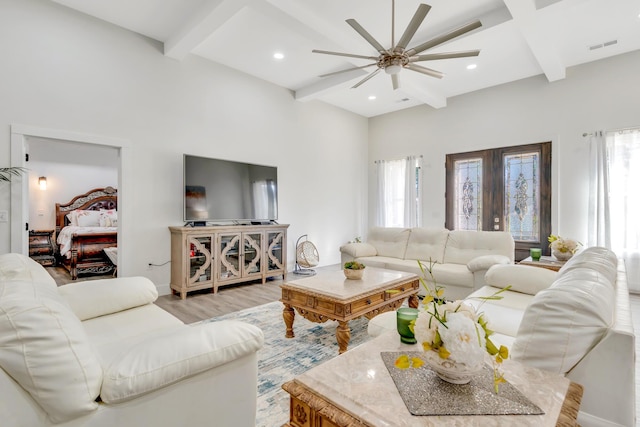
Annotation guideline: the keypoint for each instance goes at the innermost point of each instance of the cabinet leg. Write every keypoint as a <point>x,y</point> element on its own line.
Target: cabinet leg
<point>183,294</point>
<point>343,336</point>
<point>288,314</point>
<point>414,301</point>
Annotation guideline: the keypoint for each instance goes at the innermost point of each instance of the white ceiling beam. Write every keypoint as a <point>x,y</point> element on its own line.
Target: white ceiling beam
<point>543,49</point>
<point>428,96</point>
<point>200,26</point>
<point>328,85</point>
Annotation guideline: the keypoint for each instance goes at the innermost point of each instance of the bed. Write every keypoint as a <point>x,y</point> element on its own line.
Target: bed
<point>85,226</point>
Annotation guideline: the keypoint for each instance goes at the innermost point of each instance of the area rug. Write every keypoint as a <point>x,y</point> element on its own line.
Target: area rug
<point>282,358</point>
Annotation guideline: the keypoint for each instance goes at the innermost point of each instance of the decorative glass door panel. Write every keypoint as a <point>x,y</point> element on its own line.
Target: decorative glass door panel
<point>229,256</point>
<point>468,199</point>
<point>522,196</point>
<point>252,260</point>
<point>275,252</point>
<point>200,259</point>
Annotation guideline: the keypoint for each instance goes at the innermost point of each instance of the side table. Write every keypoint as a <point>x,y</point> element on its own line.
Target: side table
<point>42,246</point>
<point>548,262</point>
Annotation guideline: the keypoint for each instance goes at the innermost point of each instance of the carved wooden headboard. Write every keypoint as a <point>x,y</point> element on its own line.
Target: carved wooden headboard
<point>96,199</point>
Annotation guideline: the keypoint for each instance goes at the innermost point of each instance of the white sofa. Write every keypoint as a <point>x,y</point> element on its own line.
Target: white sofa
<point>100,353</point>
<point>576,322</point>
<point>462,257</point>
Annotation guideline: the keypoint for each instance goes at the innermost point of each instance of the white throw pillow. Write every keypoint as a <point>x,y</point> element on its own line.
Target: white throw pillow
<point>44,348</point>
<point>522,278</point>
<point>108,218</point>
<point>99,297</point>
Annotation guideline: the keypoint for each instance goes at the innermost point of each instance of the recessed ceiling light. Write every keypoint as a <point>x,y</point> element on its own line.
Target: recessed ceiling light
<point>471,66</point>
<point>278,55</point>
<point>372,97</point>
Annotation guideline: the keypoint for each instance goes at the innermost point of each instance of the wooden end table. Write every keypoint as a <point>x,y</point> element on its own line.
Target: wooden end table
<point>329,295</point>
<point>550,263</point>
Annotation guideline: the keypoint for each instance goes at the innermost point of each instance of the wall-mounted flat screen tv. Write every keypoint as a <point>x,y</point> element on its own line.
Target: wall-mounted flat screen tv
<point>225,190</point>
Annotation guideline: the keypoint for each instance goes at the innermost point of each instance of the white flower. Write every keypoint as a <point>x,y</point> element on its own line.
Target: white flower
<point>464,338</point>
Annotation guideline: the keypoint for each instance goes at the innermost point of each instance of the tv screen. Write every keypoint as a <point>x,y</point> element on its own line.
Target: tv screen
<point>225,190</point>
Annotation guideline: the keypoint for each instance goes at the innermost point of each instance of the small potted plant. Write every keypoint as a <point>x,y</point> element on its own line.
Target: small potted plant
<point>353,270</point>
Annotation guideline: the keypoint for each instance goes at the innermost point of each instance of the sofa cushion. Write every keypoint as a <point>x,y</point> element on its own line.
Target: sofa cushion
<point>505,314</point>
<point>175,354</point>
<point>597,258</point>
<point>45,349</point>
<point>522,278</point>
<point>390,242</point>
<point>375,261</point>
<point>99,297</point>
<point>357,250</point>
<point>427,243</point>
<point>564,322</point>
<point>21,267</point>
<point>464,245</point>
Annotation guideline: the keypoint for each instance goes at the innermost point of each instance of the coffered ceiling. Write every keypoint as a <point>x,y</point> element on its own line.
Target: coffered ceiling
<point>518,39</point>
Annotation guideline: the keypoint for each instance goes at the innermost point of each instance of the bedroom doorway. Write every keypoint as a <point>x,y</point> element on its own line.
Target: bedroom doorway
<point>69,160</point>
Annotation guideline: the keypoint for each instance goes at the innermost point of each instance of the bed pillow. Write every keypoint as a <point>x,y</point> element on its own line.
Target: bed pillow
<point>108,218</point>
<point>88,218</point>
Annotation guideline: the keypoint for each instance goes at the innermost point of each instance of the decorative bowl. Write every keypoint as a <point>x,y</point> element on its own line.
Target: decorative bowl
<point>449,370</point>
<point>353,274</point>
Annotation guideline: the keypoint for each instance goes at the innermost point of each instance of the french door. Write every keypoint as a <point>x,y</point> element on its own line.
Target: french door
<point>505,188</point>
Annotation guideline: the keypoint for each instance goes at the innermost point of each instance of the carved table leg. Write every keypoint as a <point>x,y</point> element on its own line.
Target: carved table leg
<point>288,315</point>
<point>343,335</point>
<point>414,301</point>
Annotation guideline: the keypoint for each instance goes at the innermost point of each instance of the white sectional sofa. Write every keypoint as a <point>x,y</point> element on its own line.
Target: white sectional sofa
<point>462,257</point>
<point>576,322</point>
<point>100,353</point>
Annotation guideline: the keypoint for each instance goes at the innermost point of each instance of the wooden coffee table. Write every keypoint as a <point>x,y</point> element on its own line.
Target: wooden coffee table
<point>356,390</point>
<point>329,295</point>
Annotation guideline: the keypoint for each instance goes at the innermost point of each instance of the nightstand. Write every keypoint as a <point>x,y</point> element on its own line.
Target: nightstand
<point>42,246</point>
<point>550,263</point>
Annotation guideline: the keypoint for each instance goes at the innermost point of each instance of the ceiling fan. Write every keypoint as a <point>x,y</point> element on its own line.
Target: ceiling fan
<point>393,60</point>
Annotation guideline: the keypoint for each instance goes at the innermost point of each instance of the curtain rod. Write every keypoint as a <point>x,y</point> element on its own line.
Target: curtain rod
<point>378,161</point>
<point>612,130</point>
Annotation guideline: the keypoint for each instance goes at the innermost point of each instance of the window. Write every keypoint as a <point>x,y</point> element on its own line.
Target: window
<point>399,188</point>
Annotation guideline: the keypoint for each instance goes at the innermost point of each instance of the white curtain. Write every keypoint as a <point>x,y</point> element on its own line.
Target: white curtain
<point>399,192</point>
<point>599,214</point>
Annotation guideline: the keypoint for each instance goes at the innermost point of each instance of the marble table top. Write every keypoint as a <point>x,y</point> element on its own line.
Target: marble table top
<point>330,281</point>
<point>359,383</point>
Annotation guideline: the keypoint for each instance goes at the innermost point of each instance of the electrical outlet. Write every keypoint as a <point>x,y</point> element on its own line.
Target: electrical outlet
<point>4,216</point>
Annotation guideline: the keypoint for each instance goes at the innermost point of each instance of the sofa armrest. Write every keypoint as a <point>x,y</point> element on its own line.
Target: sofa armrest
<point>484,262</point>
<point>97,298</point>
<point>357,250</point>
<point>178,354</point>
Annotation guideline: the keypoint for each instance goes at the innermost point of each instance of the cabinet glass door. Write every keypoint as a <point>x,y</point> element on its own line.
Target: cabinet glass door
<point>275,250</point>
<point>200,265</point>
<point>229,256</point>
<point>252,250</point>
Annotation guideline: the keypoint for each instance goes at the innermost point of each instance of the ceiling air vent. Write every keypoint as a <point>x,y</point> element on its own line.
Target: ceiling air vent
<point>605,44</point>
<point>402,100</point>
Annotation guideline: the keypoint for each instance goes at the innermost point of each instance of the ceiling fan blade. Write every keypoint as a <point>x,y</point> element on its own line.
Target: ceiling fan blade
<point>394,81</point>
<point>373,73</point>
<point>425,70</point>
<point>344,71</point>
<point>413,26</point>
<point>350,55</point>
<point>445,37</point>
<point>368,37</point>
<point>444,55</point>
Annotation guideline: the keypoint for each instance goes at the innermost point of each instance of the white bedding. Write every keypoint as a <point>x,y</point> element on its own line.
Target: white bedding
<point>64,238</point>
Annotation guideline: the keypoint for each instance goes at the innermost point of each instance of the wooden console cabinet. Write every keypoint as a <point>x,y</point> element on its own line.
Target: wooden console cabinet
<point>214,256</point>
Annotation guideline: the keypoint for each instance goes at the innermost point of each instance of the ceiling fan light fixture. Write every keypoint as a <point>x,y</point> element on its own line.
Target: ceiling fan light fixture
<point>393,69</point>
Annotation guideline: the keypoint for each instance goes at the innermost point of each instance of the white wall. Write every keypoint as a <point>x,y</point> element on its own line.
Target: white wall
<point>63,70</point>
<point>600,95</point>
<point>71,169</point>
